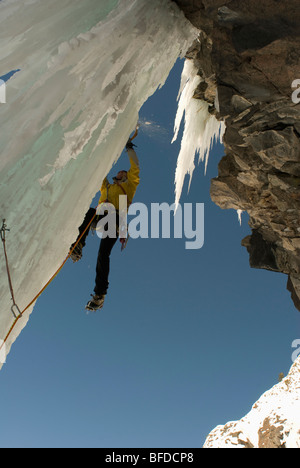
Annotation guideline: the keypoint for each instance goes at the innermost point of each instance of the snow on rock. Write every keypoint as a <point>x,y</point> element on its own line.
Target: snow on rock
<point>201,128</point>
<point>86,68</point>
<point>273,422</point>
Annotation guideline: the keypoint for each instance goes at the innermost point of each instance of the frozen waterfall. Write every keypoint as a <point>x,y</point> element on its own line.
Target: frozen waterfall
<point>86,68</point>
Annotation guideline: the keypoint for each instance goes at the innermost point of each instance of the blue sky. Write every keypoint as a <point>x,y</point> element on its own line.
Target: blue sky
<point>187,339</point>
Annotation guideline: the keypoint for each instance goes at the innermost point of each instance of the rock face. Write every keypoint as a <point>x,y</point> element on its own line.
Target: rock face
<point>273,421</point>
<point>248,57</point>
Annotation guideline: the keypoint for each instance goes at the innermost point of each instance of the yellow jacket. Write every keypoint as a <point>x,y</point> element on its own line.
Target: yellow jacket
<point>111,192</point>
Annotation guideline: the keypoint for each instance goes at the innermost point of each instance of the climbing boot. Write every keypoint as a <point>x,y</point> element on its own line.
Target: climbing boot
<point>76,254</point>
<point>96,303</point>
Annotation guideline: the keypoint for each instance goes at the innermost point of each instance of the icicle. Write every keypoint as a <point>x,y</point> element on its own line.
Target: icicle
<point>201,128</point>
<point>239,212</point>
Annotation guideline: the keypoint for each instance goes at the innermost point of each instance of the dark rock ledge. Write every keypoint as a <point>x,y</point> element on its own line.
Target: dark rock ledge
<point>249,56</point>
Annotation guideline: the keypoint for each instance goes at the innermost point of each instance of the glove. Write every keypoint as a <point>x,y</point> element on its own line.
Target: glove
<point>129,144</point>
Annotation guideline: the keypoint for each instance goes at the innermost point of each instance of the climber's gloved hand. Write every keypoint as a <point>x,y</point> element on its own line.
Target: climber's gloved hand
<point>129,144</point>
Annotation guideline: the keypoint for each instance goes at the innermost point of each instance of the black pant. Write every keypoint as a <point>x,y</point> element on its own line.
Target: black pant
<point>103,260</point>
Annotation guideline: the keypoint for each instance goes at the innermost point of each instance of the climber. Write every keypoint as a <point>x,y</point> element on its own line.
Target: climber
<point>124,183</point>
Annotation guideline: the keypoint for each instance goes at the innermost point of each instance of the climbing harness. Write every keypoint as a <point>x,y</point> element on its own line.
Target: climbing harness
<point>14,308</point>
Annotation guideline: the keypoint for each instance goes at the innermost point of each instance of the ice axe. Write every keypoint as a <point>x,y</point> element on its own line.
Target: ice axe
<point>135,133</point>
<point>129,142</point>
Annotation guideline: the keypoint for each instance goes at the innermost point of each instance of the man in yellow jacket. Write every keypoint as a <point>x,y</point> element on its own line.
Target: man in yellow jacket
<point>124,183</point>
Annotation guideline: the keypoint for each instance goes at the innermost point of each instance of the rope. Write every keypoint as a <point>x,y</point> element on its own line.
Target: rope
<point>46,285</point>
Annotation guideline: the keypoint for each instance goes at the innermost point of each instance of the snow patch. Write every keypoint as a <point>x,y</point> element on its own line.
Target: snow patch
<point>278,409</point>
